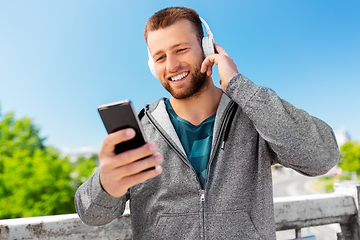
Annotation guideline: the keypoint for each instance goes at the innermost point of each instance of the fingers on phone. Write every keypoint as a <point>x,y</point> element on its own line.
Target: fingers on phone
<point>132,180</point>
<point>131,174</point>
<point>126,159</point>
<point>114,138</point>
<point>138,153</point>
<point>141,165</point>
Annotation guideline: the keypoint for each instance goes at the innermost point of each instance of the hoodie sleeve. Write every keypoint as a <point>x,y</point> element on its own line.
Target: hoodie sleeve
<point>299,140</point>
<point>94,205</point>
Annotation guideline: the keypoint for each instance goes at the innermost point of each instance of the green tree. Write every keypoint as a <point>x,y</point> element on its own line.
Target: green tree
<point>34,179</point>
<point>350,157</point>
<point>84,168</point>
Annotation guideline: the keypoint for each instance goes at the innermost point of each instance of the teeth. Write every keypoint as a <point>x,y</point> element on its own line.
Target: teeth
<point>179,77</point>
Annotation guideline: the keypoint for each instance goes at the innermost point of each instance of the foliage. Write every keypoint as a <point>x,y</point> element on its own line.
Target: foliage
<point>20,134</point>
<point>84,168</point>
<point>350,157</point>
<point>326,183</point>
<point>34,179</point>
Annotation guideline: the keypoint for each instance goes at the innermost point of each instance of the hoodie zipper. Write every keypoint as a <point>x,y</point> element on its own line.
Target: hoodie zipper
<point>216,146</point>
<point>172,146</point>
<point>202,197</point>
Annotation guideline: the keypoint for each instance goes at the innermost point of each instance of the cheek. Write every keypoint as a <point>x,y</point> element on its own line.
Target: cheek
<point>200,54</point>
<point>160,70</point>
<point>198,58</point>
<point>162,79</point>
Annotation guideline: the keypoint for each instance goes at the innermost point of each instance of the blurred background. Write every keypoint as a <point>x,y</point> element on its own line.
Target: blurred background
<point>59,60</point>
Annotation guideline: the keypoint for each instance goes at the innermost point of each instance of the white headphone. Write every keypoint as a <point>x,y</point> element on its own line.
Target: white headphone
<point>207,45</point>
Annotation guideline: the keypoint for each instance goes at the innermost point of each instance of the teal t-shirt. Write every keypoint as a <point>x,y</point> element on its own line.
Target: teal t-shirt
<point>196,140</point>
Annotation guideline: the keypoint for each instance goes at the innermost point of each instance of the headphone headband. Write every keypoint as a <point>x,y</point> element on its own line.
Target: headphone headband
<point>207,28</point>
<point>207,45</point>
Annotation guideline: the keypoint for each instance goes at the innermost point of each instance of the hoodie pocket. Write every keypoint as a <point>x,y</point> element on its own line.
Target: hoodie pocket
<point>230,225</point>
<point>178,226</point>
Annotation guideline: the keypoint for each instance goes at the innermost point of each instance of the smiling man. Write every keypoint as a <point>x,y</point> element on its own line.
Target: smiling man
<point>177,58</point>
<point>213,148</point>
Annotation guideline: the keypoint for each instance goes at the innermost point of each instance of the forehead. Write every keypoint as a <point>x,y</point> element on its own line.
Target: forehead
<point>180,32</point>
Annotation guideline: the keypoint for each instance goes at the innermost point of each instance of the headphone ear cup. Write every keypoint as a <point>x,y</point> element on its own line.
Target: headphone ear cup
<point>152,67</point>
<point>207,42</point>
<point>208,45</point>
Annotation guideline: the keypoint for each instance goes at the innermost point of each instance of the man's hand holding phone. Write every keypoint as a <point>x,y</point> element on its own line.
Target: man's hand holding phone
<point>120,172</point>
<point>126,158</point>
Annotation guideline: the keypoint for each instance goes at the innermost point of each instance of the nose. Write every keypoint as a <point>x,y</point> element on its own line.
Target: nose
<point>172,63</point>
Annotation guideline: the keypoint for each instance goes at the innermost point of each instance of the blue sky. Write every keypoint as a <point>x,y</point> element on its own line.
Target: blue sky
<point>59,60</point>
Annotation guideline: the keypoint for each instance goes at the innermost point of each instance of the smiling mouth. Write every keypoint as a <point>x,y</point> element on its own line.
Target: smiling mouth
<point>179,77</point>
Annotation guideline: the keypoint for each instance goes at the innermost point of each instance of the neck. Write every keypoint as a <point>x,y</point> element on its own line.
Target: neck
<point>200,106</point>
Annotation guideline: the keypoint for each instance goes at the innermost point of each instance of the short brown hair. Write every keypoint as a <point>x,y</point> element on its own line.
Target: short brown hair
<point>168,16</point>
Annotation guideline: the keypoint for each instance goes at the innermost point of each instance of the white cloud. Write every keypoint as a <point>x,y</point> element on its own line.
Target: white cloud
<point>342,136</point>
<point>74,153</point>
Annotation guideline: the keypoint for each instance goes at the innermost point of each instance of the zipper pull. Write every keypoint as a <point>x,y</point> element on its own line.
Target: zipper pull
<point>223,145</point>
<point>202,198</point>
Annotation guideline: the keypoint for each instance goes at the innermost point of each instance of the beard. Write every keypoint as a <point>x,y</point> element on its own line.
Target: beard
<point>197,82</point>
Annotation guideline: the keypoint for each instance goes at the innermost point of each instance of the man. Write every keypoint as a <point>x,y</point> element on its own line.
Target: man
<point>213,148</point>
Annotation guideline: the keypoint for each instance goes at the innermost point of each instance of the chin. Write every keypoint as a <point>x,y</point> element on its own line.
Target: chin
<point>196,83</point>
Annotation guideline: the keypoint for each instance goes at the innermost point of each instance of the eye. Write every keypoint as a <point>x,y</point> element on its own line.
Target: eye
<point>181,49</point>
<point>159,59</point>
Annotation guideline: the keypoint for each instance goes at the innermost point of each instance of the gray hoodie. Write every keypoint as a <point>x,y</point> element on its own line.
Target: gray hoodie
<point>236,201</point>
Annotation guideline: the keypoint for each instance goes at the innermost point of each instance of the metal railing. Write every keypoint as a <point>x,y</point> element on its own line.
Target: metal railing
<point>296,213</point>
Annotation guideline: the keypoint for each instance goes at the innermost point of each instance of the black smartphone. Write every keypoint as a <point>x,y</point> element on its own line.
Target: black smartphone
<point>120,115</point>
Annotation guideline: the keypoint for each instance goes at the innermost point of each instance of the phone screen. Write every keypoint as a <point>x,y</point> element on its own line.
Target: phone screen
<point>120,115</point>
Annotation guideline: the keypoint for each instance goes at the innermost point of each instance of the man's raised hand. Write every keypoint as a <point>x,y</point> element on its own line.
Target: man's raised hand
<point>226,66</point>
